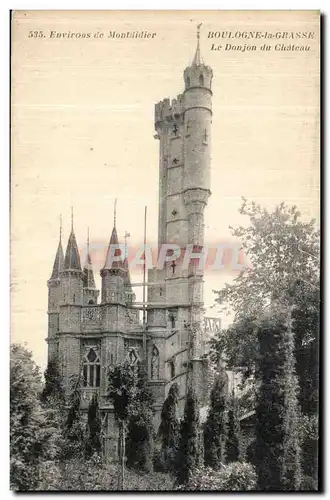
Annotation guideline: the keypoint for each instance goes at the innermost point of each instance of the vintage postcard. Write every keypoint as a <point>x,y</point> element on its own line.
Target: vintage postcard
<point>165,213</point>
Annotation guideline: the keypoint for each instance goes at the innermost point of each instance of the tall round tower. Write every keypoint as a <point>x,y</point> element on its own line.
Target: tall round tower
<point>175,300</point>
<point>197,125</point>
<point>197,100</point>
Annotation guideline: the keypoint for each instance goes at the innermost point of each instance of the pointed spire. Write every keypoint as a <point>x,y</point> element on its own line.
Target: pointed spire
<point>71,219</point>
<point>127,279</point>
<point>198,61</point>
<point>113,241</point>
<point>58,262</point>
<point>88,277</point>
<point>72,258</point>
<point>59,257</point>
<point>115,213</point>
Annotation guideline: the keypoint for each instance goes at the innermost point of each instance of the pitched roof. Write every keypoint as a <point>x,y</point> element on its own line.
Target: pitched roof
<point>72,258</point>
<point>58,262</point>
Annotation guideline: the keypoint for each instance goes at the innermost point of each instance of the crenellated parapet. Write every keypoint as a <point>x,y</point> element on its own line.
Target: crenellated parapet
<point>168,110</point>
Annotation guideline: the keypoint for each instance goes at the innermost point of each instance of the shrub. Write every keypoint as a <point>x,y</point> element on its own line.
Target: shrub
<point>237,476</point>
<point>79,475</point>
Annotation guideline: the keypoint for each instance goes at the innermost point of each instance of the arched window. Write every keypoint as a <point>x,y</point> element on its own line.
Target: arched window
<point>201,80</point>
<point>91,368</point>
<point>188,82</point>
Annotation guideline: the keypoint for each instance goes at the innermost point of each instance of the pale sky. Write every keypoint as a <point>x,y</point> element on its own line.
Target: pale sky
<point>82,133</point>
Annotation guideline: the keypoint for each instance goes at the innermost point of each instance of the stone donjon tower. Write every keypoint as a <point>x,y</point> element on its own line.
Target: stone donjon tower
<point>175,304</point>
<point>86,336</point>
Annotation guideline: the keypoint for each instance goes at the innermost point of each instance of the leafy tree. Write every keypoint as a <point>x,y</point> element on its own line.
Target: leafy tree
<point>277,448</point>
<point>233,435</point>
<point>140,426</point>
<point>53,389</point>
<point>34,433</point>
<point>283,251</point>
<point>215,425</point>
<point>169,429</point>
<point>283,254</point>
<point>188,457</point>
<point>93,444</point>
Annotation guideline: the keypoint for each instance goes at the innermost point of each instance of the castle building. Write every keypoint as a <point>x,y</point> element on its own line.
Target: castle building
<point>88,336</point>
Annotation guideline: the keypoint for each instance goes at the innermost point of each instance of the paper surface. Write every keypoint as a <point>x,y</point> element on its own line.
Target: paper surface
<point>95,138</point>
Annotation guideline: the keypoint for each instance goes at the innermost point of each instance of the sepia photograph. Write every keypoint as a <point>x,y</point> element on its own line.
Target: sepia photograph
<point>165,250</point>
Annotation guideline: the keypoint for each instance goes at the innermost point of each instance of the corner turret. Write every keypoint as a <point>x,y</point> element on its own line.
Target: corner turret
<point>71,288</point>
<point>54,294</point>
<point>113,272</point>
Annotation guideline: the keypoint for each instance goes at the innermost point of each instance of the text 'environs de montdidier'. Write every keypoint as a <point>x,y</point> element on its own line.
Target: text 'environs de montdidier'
<point>143,34</point>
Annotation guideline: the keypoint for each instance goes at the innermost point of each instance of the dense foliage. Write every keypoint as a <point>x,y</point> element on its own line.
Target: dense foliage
<point>238,476</point>
<point>233,433</point>
<point>93,440</point>
<point>74,428</point>
<point>140,426</point>
<point>133,405</point>
<point>169,430</point>
<point>53,389</point>
<point>190,450</point>
<point>215,429</point>
<point>283,254</point>
<point>122,389</point>
<point>34,432</point>
<point>278,453</point>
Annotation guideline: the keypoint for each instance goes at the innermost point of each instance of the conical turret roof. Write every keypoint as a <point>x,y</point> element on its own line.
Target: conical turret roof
<point>198,61</point>
<point>88,277</point>
<point>58,262</point>
<point>72,258</point>
<point>114,243</point>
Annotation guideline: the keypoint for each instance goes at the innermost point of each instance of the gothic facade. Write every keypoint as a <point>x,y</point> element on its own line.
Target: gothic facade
<point>87,335</point>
